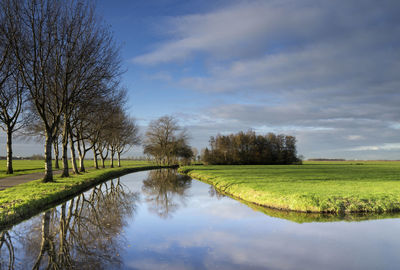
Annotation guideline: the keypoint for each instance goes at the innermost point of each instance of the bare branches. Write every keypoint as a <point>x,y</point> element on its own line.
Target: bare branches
<point>66,61</point>
<point>12,94</point>
<point>166,141</point>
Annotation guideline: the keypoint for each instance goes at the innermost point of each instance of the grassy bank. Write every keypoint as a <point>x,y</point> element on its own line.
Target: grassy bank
<point>25,200</point>
<point>327,187</point>
<point>22,167</point>
<point>27,166</point>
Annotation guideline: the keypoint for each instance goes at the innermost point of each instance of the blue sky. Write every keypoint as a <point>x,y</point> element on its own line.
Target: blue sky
<point>324,71</point>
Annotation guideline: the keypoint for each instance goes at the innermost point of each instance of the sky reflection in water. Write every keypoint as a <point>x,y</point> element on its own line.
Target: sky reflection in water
<point>161,220</point>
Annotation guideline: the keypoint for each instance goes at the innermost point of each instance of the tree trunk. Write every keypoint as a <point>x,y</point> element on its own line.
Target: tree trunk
<point>48,170</point>
<point>65,172</point>
<point>56,152</point>
<point>119,159</point>
<point>73,157</point>
<point>96,164</point>
<point>81,157</point>
<point>81,165</point>
<point>102,161</point>
<point>9,151</point>
<point>45,245</point>
<point>112,159</point>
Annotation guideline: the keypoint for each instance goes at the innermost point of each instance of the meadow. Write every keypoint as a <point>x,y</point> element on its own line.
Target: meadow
<point>326,187</point>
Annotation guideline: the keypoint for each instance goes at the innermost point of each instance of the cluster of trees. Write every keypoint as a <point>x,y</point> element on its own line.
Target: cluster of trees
<point>249,148</point>
<point>167,142</point>
<point>60,65</point>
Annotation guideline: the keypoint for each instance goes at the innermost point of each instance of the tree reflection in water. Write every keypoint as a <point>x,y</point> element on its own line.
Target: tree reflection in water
<point>7,258</point>
<point>83,233</point>
<point>163,188</point>
<point>215,193</point>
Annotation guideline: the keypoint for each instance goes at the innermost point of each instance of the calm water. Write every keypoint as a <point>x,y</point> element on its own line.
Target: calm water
<point>161,220</point>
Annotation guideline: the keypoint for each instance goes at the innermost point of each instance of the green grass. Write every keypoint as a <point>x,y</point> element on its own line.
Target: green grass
<point>32,166</point>
<point>25,200</point>
<point>22,167</point>
<point>327,187</point>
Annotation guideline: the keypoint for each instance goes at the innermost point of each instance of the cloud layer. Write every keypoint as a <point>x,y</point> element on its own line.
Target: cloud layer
<point>325,69</point>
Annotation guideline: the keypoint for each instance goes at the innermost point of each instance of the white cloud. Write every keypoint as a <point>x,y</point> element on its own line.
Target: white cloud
<point>234,30</point>
<point>354,137</point>
<point>384,147</point>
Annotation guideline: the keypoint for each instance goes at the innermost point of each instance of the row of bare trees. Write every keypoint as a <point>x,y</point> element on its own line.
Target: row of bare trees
<point>60,65</point>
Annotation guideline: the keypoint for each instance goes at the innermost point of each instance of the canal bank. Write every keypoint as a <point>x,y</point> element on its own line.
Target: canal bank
<point>28,199</point>
<point>338,188</point>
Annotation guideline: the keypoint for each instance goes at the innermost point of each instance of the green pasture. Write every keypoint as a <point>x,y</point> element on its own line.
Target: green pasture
<point>337,187</point>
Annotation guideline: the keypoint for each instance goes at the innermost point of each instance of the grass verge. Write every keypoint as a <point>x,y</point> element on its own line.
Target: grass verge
<point>25,200</point>
<point>346,187</point>
<point>28,166</point>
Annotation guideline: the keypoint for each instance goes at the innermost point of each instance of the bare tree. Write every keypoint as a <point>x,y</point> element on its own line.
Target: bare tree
<point>128,137</point>
<point>124,135</point>
<point>37,25</point>
<point>63,53</point>
<point>97,124</point>
<point>90,61</point>
<point>166,141</point>
<point>108,131</point>
<point>33,128</point>
<point>11,88</point>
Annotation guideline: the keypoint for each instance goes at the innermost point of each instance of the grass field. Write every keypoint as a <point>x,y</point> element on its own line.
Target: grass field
<point>337,187</point>
<point>23,200</point>
<point>33,166</point>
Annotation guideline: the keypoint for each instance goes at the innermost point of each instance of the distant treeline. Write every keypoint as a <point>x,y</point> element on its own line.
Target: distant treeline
<point>248,148</point>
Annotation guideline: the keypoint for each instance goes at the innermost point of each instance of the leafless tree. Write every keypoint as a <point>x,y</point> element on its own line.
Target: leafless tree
<point>91,60</point>
<point>11,87</point>
<point>33,128</point>
<point>97,124</point>
<point>129,137</point>
<point>108,133</point>
<point>166,141</point>
<point>64,54</point>
<point>37,26</point>
<point>124,133</point>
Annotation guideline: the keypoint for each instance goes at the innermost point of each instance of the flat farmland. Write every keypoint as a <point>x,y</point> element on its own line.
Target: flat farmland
<point>327,187</point>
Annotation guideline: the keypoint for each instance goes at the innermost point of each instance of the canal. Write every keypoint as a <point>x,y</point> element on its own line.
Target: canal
<point>163,220</point>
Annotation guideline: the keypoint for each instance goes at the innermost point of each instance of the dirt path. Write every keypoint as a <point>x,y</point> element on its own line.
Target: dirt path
<point>19,179</point>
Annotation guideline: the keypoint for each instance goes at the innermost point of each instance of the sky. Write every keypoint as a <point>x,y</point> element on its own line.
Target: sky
<point>326,72</point>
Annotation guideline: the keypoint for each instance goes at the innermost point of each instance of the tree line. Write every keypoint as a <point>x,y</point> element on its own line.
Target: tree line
<point>60,78</point>
<point>248,148</point>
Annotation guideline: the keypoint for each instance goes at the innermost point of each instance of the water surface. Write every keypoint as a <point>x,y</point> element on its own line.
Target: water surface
<point>163,220</point>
